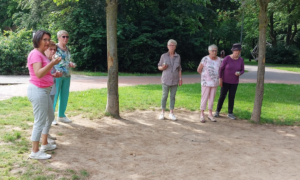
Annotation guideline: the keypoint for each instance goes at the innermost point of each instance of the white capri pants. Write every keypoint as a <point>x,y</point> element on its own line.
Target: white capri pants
<point>42,110</point>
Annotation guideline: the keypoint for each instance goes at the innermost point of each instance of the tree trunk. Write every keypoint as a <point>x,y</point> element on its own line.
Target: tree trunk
<point>289,33</point>
<point>273,33</point>
<point>112,106</point>
<point>294,33</point>
<point>263,22</point>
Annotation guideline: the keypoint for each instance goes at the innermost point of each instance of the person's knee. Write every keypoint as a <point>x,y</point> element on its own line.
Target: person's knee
<point>51,116</point>
<point>223,96</point>
<point>38,126</point>
<point>231,95</point>
<point>164,98</point>
<point>172,98</point>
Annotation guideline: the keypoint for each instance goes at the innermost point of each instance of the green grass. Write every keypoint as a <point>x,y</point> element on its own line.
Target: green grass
<point>286,67</point>
<point>293,69</point>
<point>11,137</point>
<point>86,73</point>
<point>281,106</point>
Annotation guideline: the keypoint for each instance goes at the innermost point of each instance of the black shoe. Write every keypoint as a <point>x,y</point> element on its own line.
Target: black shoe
<point>217,114</point>
<point>231,116</point>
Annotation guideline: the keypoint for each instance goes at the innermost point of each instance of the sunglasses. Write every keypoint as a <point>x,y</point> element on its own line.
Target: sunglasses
<point>65,37</point>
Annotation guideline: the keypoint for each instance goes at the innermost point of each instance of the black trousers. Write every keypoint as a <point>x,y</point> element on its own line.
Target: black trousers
<point>232,90</point>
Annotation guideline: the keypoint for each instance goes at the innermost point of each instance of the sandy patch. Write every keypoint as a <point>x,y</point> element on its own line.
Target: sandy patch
<point>141,147</point>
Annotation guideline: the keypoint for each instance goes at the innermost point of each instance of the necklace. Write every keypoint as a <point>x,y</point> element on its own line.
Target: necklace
<point>63,48</point>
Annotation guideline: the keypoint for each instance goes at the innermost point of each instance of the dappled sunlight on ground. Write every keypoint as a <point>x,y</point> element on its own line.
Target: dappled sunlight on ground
<point>139,146</point>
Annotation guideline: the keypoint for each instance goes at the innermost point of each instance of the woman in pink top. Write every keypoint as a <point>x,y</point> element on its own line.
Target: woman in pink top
<point>38,91</point>
<point>209,70</point>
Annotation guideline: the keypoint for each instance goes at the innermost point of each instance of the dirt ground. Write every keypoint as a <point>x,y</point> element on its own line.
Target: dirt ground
<point>139,146</point>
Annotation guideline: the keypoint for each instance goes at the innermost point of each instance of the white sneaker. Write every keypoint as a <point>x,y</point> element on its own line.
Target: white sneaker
<point>54,122</point>
<point>64,119</point>
<point>51,141</point>
<point>39,155</point>
<point>161,116</point>
<point>172,116</point>
<point>51,137</point>
<point>48,147</point>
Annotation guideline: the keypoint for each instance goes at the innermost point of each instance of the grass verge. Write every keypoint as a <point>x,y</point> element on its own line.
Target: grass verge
<point>86,73</point>
<point>286,67</point>
<point>280,106</point>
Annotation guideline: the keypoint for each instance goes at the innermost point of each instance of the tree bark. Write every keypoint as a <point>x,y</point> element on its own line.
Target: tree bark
<point>273,34</point>
<point>112,106</point>
<point>289,33</point>
<point>263,22</point>
<point>294,33</point>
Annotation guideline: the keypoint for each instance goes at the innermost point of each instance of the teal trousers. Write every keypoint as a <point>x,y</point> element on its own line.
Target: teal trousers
<point>62,95</point>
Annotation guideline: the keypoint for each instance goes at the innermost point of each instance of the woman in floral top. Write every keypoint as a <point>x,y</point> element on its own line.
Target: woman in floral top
<point>63,83</point>
<point>209,71</point>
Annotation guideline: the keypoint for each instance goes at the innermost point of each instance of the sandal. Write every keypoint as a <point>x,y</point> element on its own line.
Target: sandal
<point>202,119</point>
<point>212,118</point>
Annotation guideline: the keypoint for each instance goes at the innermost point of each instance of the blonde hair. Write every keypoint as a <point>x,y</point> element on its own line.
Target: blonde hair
<point>172,41</point>
<point>52,43</point>
<point>61,32</point>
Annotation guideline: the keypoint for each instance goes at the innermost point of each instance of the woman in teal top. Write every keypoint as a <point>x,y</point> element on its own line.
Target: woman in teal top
<point>63,83</point>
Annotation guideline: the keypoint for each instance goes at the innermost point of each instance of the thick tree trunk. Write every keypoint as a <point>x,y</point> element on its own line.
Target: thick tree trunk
<point>112,106</point>
<point>263,22</point>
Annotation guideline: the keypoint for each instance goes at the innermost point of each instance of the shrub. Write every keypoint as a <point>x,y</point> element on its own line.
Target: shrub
<point>14,48</point>
<point>282,55</point>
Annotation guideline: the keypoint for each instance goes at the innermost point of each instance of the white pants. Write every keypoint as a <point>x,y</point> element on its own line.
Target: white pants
<point>42,110</point>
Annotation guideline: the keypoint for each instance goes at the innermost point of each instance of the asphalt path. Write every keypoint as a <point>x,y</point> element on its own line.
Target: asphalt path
<point>11,86</point>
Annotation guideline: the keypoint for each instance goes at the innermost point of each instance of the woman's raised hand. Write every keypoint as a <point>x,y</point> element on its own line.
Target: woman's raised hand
<point>56,59</point>
<point>164,66</point>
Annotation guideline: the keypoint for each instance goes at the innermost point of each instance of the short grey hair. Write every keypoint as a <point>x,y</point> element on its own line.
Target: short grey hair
<point>61,32</point>
<point>172,41</point>
<point>213,46</point>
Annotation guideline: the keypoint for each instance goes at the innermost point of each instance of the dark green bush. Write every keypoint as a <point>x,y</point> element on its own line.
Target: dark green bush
<point>282,55</point>
<point>144,27</point>
<point>14,48</point>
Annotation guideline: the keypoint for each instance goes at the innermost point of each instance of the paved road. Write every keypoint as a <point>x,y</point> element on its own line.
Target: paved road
<point>81,83</point>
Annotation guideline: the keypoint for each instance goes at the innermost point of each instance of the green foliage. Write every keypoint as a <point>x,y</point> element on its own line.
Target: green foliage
<point>144,27</point>
<point>282,55</point>
<point>14,48</point>
<point>60,2</point>
<point>7,9</point>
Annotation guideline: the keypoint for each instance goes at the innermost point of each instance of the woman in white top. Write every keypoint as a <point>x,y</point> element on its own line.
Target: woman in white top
<point>209,71</point>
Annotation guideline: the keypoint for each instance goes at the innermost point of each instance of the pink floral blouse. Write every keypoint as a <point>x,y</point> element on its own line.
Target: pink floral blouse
<point>210,71</point>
